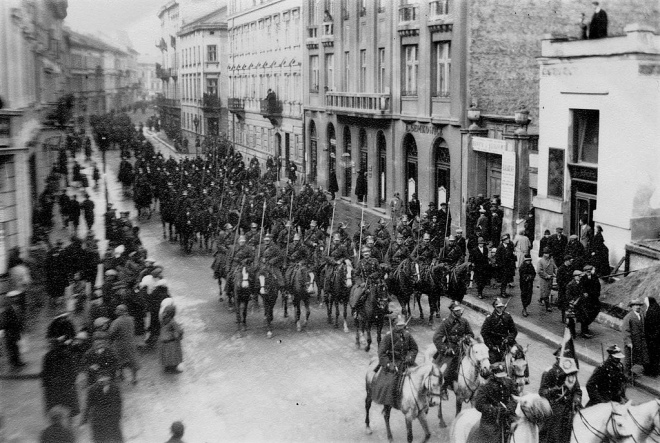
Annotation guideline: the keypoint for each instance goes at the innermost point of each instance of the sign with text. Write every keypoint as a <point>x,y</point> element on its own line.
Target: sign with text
<point>489,145</point>
<point>508,184</point>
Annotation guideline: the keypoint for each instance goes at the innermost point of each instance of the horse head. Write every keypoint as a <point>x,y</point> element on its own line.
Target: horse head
<point>620,425</point>
<point>516,364</point>
<point>477,352</point>
<point>434,385</point>
<point>349,273</point>
<point>533,408</point>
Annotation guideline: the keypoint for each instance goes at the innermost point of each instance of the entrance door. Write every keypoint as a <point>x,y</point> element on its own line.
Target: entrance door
<point>286,152</point>
<point>382,168</point>
<point>583,203</point>
<point>313,158</point>
<point>442,168</point>
<point>278,150</point>
<point>410,148</point>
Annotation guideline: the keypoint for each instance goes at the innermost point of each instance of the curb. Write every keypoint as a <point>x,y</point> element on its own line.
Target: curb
<point>20,376</point>
<point>553,339</point>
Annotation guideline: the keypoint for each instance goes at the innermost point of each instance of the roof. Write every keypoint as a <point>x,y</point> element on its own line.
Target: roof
<point>214,19</point>
<point>88,41</point>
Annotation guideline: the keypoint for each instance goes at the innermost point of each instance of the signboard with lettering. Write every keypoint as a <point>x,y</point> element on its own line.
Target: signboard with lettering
<point>508,184</point>
<point>489,145</point>
<point>423,129</point>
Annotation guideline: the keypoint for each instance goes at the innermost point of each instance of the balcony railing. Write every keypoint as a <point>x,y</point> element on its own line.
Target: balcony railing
<point>211,101</point>
<point>235,104</point>
<point>408,13</point>
<point>270,107</point>
<point>438,8</point>
<point>358,102</point>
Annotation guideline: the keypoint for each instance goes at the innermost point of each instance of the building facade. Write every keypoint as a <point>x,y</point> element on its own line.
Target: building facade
<point>32,78</point>
<point>85,74</point>
<point>265,54</point>
<point>169,103</point>
<point>588,166</point>
<point>150,85</point>
<point>386,98</point>
<point>203,78</point>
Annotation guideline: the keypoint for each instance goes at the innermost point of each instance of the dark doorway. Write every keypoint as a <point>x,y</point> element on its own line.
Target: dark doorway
<point>410,150</point>
<point>332,151</point>
<point>583,203</point>
<point>442,171</point>
<point>346,161</point>
<point>278,154</point>
<point>382,168</point>
<point>313,154</point>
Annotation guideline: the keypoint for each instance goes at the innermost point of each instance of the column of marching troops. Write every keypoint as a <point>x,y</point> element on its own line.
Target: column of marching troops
<point>219,200</point>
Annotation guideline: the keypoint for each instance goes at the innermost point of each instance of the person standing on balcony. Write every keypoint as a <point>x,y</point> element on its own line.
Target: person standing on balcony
<point>598,25</point>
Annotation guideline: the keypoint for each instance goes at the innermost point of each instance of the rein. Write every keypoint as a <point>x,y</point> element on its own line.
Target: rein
<point>427,385</point>
<point>601,435</point>
<point>649,431</point>
<point>461,371</point>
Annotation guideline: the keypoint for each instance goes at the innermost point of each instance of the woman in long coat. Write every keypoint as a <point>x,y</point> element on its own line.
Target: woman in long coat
<point>58,378</point>
<point>171,334</point>
<point>599,255</point>
<point>104,408</point>
<point>652,332</point>
<point>122,334</point>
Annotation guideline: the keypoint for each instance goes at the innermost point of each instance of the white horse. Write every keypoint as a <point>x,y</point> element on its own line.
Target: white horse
<point>421,386</point>
<point>603,422</point>
<point>532,409</point>
<point>516,365</point>
<point>646,418</point>
<point>474,366</point>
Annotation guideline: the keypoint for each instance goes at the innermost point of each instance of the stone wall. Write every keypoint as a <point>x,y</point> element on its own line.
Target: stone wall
<point>504,39</point>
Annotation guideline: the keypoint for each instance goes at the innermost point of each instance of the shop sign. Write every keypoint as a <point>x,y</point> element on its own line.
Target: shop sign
<point>585,173</point>
<point>508,183</point>
<point>423,129</point>
<point>489,145</point>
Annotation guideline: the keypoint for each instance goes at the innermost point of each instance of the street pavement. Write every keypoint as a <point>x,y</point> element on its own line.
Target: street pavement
<point>297,386</point>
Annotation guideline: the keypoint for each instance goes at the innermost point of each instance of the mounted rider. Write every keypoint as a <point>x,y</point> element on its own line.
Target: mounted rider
<point>396,352</point>
<point>608,381</point>
<point>297,251</point>
<point>376,252</point>
<point>453,255</point>
<point>286,235</point>
<point>314,237</point>
<point>338,255</point>
<point>360,237</point>
<point>403,227</point>
<point>369,270</point>
<point>344,238</point>
<point>425,252</point>
<point>494,400</point>
<point>382,236</point>
<point>397,253</point>
<point>273,257</point>
<point>243,254</point>
<point>447,340</point>
<point>252,236</point>
<point>498,331</point>
<point>560,386</point>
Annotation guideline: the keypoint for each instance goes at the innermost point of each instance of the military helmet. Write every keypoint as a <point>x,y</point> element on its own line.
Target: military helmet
<point>366,249</point>
<point>296,236</point>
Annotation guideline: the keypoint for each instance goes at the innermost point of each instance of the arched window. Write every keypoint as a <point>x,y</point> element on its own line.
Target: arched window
<point>346,160</point>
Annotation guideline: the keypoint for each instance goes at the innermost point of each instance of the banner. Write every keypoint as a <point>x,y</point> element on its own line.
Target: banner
<point>508,184</point>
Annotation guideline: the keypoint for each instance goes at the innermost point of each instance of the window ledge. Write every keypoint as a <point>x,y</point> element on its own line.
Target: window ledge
<point>441,99</point>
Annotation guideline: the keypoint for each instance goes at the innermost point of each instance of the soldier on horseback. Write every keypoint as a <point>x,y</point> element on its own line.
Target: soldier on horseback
<point>361,235</point>
<point>403,227</point>
<point>344,238</point>
<point>297,251</point>
<point>397,351</point>
<point>314,237</point>
<point>447,340</point>
<point>252,236</point>
<point>498,331</point>
<point>425,252</point>
<point>382,236</point>
<point>273,257</point>
<point>453,255</point>
<point>286,235</point>
<point>369,269</point>
<point>338,254</point>
<point>397,252</point>
<point>495,402</point>
<point>560,386</point>
<point>376,252</point>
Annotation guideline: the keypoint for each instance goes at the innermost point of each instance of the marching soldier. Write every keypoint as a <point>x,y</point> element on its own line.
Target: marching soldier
<point>495,402</point>
<point>425,252</point>
<point>396,352</point>
<point>560,386</point>
<point>272,256</point>
<point>498,331</point>
<point>608,381</point>
<point>447,339</point>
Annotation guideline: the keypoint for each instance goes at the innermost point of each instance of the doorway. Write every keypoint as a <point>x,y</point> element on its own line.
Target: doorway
<point>583,203</point>
<point>332,152</point>
<point>278,153</point>
<point>410,148</point>
<point>313,157</point>
<point>442,171</point>
<point>382,168</point>
<point>346,161</point>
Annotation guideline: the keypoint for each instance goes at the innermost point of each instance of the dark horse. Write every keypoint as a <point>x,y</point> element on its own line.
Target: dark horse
<point>459,277</point>
<point>372,311</point>
<point>300,282</point>
<point>266,283</point>
<point>400,282</point>
<point>428,279</point>
<point>244,287</point>
<point>338,290</point>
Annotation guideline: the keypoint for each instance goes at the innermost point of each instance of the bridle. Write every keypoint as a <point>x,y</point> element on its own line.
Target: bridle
<point>476,364</point>
<point>601,435</point>
<point>429,392</point>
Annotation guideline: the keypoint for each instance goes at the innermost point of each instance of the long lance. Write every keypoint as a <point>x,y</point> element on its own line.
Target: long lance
<point>444,235</point>
<point>238,228</point>
<point>288,229</point>
<point>332,222</point>
<point>261,231</point>
<point>419,237</point>
<point>359,246</point>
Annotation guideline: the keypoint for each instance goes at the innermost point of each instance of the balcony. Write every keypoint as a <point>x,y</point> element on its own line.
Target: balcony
<point>328,37</point>
<point>211,102</point>
<point>270,107</point>
<point>312,41</point>
<point>439,19</point>
<point>358,103</point>
<point>408,20</point>
<point>235,104</point>
<point>163,74</point>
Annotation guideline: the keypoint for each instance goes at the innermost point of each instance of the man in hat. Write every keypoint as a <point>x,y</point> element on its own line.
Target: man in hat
<point>447,340</point>
<point>589,306</point>
<point>505,259</point>
<point>527,274</point>
<point>564,277</point>
<point>297,251</point>
<point>413,207</point>
<point>367,268</point>
<point>338,254</point>
<point>574,294</point>
<point>494,400</point>
<point>495,227</point>
<point>425,252</point>
<point>344,238</point>
<point>634,340</point>
<point>243,253</point>
<point>452,253</point>
<point>403,227</point>
<point>87,207</point>
<point>397,252</point>
<point>315,238</point>
<point>382,236</point>
<point>12,323</point>
<point>498,331</point>
<point>479,257</point>
<point>122,336</point>
<point>432,211</point>
<point>543,242</point>
<point>560,386</point>
<point>461,242</point>
<point>444,220</point>
<point>575,249</point>
<point>546,270</point>
<point>482,228</point>
<point>396,352</point>
<point>273,257</point>
<point>598,24</point>
<point>608,381</point>
<point>557,244</point>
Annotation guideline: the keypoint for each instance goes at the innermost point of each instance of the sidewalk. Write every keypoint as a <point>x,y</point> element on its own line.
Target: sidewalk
<point>34,344</point>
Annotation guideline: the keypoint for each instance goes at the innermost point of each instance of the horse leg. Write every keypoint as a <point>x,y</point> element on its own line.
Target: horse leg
<point>329,309</point>
<point>357,335</point>
<point>379,331</point>
<point>164,232</point>
<point>336,303</point>
<point>269,305</point>
<point>367,330</point>
<point>298,325</point>
<point>307,311</point>
<point>245,308</point>
<point>432,308</point>
<point>425,426</point>
<point>285,304</point>
<point>409,432</point>
<point>418,297</point>
<point>367,407</point>
<point>345,316</point>
<point>386,416</point>
<point>441,419</point>
<point>459,404</point>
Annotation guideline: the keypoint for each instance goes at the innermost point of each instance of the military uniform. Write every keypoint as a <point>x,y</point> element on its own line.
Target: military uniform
<point>446,340</point>
<point>495,402</point>
<point>404,229</point>
<point>454,256</point>
<point>396,351</point>
<point>297,252</point>
<point>496,330</point>
<point>284,235</point>
<point>273,257</point>
<point>368,268</point>
<point>424,253</point>
<point>313,238</point>
<point>243,255</point>
<point>356,237</point>
<point>564,403</point>
<point>397,254</point>
<point>607,383</point>
<point>382,238</point>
